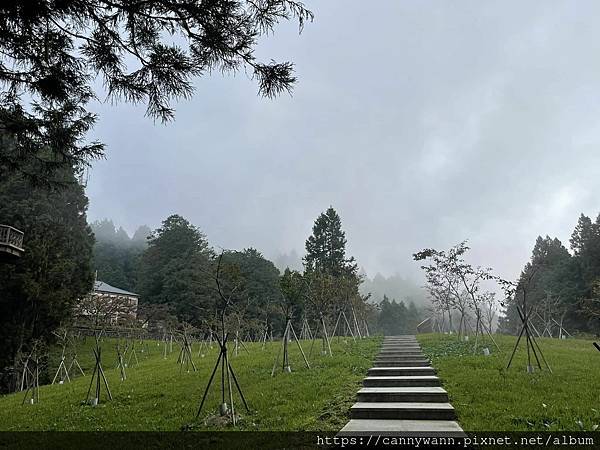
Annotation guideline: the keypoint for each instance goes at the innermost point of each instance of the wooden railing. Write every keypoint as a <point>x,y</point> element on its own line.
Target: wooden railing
<point>11,237</point>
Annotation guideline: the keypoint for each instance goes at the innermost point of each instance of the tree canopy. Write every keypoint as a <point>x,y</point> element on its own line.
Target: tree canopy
<point>172,270</point>
<point>257,279</point>
<point>145,51</point>
<point>38,292</point>
<point>292,293</point>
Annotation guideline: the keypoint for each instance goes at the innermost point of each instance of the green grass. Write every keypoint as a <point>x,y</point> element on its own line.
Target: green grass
<point>487,397</point>
<point>158,395</point>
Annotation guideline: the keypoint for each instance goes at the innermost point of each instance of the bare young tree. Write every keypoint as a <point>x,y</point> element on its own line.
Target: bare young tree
<point>30,377</point>
<point>227,283</point>
<point>319,293</point>
<point>440,297</point>
<point>292,289</point>
<point>449,268</point>
<point>546,311</point>
<point>444,289</point>
<point>100,311</point>
<point>344,297</point>
<point>591,306</point>
<point>518,293</point>
<point>460,302</point>
<point>238,323</point>
<point>490,309</point>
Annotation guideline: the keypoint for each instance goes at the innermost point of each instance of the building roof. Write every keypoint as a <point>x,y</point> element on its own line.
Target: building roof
<point>101,286</point>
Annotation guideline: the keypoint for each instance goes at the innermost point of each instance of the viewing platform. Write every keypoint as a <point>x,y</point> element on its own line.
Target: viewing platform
<point>11,243</point>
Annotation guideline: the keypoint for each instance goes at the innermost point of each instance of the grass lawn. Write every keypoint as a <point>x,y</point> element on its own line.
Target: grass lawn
<point>158,395</point>
<point>487,397</point>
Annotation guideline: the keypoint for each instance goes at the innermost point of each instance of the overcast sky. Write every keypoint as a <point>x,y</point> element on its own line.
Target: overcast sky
<point>422,123</point>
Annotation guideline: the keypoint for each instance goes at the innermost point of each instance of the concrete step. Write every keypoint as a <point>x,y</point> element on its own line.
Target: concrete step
<point>403,410</point>
<point>426,380</point>
<point>400,346</point>
<point>396,353</point>
<point>403,394</point>
<point>406,336</point>
<point>406,427</point>
<point>397,348</point>
<point>401,336</point>
<point>402,363</point>
<point>403,356</point>
<point>400,353</point>
<point>400,350</point>
<point>400,343</point>
<point>401,371</point>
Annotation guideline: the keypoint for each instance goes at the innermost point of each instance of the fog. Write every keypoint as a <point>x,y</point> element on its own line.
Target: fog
<point>421,123</point>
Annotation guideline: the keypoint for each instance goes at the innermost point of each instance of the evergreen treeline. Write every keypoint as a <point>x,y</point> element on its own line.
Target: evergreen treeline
<point>395,318</point>
<point>562,287</point>
<point>172,269</point>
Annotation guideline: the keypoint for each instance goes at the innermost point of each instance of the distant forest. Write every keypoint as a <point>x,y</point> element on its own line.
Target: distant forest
<point>393,287</point>
<point>123,261</point>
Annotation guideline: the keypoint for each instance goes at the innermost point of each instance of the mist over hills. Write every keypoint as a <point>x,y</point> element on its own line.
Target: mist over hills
<point>106,232</point>
<point>291,260</point>
<point>395,287</point>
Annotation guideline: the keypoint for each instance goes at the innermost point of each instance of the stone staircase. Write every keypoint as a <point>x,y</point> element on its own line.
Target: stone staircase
<point>402,396</point>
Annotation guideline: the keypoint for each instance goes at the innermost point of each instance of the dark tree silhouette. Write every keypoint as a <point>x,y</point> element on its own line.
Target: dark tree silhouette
<point>38,293</point>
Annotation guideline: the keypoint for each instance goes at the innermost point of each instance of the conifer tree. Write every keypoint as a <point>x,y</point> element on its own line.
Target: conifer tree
<point>326,247</point>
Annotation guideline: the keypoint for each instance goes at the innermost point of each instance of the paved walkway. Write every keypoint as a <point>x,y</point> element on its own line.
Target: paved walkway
<point>402,396</point>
